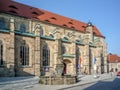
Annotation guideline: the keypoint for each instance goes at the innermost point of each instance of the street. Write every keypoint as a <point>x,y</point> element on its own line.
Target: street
<point>88,82</point>
<point>111,84</point>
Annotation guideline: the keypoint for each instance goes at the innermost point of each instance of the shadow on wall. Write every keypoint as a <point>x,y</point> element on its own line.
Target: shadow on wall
<point>105,85</point>
<point>10,72</point>
<point>22,57</point>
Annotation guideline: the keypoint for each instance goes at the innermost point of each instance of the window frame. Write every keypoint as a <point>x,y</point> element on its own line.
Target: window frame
<point>23,28</point>
<point>1,53</point>
<point>45,56</point>
<point>2,23</point>
<point>24,55</point>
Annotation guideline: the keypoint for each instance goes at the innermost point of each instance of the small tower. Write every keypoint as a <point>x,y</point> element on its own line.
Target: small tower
<point>89,31</point>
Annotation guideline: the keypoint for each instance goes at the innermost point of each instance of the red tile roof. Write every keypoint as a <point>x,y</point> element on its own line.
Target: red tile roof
<point>113,58</point>
<point>19,9</point>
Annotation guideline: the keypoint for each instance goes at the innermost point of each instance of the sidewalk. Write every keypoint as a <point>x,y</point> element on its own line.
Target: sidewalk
<point>30,83</point>
<point>14,83</point>
<point>83,80</point>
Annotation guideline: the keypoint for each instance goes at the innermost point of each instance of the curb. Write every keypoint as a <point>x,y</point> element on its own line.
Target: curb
<point>83,84</point>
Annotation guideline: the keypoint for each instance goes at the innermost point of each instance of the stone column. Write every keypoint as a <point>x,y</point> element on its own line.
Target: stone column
<point>11,59</point>
<point>37,53</point>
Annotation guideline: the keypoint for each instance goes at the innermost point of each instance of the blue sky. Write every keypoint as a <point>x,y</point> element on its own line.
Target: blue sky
<point>104,14</point>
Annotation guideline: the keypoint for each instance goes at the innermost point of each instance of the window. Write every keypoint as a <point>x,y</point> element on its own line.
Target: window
<point>64,25</point>
<point>23,28</point>
<point>35,13</point>
<point>77,53</point>
<point>53,18</point>
<point>47,20</point>
<point>46,56</point>
<point>13,11</point>
<point>13,7</point>
<point>41,31</point>
<point>1,53</point>
<point>24,54</point>
<point>2,23</point>
<point>72,27</point>
<point>63,49</point>
<point>70,22</point>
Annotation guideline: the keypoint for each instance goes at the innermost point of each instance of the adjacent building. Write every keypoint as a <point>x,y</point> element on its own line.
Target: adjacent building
<point>113,62</point>
<point>37,42</point>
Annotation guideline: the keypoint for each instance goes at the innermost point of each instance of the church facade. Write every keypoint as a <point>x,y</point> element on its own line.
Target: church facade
<point>41,43</point>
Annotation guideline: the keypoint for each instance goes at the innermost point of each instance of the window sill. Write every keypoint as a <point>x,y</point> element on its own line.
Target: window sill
<point>25,66</point>
<point>5,30</point>
<point>2,66</point>
<point>24,33</point>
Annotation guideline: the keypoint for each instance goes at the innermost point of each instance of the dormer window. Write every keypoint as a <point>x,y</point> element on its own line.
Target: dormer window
<point>64,25</point>
<point>53,18</point>
<point>12,6</point>
<point>83,26</point>
<point>70,22</point>
<point>73,27</point>
<point>35,18</point>
<point>35,13</point>
<point>12,11</point>
<point>47,20</point>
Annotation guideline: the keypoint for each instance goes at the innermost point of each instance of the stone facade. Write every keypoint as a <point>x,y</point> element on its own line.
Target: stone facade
<point>67,47</point>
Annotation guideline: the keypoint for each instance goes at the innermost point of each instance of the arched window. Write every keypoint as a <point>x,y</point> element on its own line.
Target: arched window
<point>1,53</point>
<point>24,54</point>
<point>22,28</point>
<point>46,56</point>
<point>2,23</point>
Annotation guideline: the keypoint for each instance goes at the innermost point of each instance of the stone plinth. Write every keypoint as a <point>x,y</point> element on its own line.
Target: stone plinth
<point>58,80</point>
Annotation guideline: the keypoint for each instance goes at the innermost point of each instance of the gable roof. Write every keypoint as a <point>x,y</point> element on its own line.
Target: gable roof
<point>26,11</point>
<point>113,58</point>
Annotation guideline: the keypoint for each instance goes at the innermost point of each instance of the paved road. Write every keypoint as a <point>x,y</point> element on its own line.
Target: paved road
<point>111,84</point>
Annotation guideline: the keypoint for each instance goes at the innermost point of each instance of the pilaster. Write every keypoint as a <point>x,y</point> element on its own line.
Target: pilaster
<point>11,61</point>
<point>37,53</point>
<point>86,59</point>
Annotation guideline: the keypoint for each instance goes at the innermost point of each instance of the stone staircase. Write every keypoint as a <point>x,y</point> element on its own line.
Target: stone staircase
<point>6,83</point>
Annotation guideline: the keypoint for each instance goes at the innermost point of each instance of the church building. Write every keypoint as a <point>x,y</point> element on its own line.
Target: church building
<point>41,43</point>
